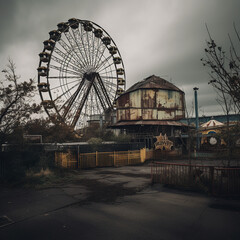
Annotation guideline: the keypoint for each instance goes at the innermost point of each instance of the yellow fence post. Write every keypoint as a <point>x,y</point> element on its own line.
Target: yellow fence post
<point>114,160</point>
<point>96,158</point>
<point>143,154</point>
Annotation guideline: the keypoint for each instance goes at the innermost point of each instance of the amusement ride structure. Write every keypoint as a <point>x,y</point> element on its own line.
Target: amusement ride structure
<point>80,73</point>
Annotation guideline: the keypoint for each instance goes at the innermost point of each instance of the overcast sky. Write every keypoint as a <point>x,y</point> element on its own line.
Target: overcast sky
<point>161,37</point>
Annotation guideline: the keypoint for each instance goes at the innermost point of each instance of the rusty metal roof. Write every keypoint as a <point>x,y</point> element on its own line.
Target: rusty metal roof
<point>144,122</point>
<point>152,82</point>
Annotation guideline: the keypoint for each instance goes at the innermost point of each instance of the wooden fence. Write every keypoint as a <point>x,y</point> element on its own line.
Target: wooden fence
<point>71,159</point>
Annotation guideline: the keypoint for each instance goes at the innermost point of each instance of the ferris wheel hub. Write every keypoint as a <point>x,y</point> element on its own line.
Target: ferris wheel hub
<point>90,76</point>
<point>90,69</point>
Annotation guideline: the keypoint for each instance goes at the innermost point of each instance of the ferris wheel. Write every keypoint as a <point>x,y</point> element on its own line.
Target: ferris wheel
<point>80,73</point>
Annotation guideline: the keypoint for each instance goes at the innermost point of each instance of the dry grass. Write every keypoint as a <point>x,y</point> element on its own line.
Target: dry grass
<point>41,173</point>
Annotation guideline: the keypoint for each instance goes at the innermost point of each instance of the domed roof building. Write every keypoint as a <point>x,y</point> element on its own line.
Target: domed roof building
<point>150,107</point>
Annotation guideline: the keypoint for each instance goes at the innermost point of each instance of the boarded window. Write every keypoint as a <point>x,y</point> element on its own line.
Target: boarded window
<point>148,99</point>
<point>170,94</point>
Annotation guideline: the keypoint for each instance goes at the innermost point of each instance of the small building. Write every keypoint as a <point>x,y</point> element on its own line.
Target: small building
<point>208,132</point>
<point>213,128</point>
<point>149,108</point>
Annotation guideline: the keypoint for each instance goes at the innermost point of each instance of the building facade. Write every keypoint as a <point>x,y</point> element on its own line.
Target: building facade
<point>151,107</point>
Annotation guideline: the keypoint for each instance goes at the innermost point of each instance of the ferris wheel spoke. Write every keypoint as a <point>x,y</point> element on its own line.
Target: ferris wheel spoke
<point>79,36</point>
<point>67,55</point>
<point>93,47</point>
<point>74,65</point>
<point>70,49</point>
<point>103,63</point>
<point>100,97</point>
<point>80,107</point>
<point>86,106</point>
<point>78,41</point>
<point>90,99</point>
<point>64,63</point>
<point>103,90</point>
<point>102,69</point>
<point>73,98</point>
<point>70,115</point>
<point>101,55</point>
<point>96,51</point>
<point>110,84</point>
<point>108,77</point>
<point>109,80</point>
<point>63,70</point>
<point>97,103</point>
<point>111,90</point>
<point>99,44</point>
<point>82,37</point>
<point>67,83</point>
<point>89,51</point>
<point>76,102</point>
<point>63,77</point>
<point>109,93</point>
<point>72,42</point>
<point>109,71</point>
<point>64,92</point>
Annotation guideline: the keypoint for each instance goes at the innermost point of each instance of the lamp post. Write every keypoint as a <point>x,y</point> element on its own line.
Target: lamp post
<point>196,114</point>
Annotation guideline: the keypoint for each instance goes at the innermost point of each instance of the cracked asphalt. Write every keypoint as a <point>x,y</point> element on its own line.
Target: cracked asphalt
<point>115,203</point>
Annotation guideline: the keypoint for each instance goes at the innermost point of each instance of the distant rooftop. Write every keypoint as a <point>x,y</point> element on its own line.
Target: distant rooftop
<point>220,118</point>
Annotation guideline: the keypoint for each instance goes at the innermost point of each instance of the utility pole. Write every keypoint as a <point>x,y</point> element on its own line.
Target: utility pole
<point>196,115</point>
<point>101,121</point>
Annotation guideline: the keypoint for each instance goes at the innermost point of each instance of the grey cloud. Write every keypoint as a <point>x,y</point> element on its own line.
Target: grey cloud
<point>165,38</point>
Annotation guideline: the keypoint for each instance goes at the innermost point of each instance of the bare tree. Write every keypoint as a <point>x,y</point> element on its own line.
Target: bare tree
<point>224,70</point>
<point>16,100</point>
<point>225,79</point>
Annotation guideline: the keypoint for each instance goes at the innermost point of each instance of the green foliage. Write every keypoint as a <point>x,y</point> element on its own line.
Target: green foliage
<point>95,143</point>
<point>104,134</point>
<point>230,135</point>
<point>122,138</point>
<point>51,131</point>
<point>97,132</point>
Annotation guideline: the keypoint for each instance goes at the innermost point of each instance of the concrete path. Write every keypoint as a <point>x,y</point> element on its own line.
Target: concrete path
<point>115,203</point>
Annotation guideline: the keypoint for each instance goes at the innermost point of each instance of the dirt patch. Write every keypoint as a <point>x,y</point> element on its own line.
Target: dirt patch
<point>101,192</point>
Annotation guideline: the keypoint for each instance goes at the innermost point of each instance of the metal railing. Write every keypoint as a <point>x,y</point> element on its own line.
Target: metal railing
<point>214,180</point>
<point>2,167</point>
<point>227,181</point>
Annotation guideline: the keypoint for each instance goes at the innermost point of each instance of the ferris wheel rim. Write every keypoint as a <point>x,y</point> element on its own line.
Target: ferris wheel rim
<point>113,44</point>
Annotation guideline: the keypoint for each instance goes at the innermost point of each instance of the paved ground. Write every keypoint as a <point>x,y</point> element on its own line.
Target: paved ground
<point>115,203</point>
